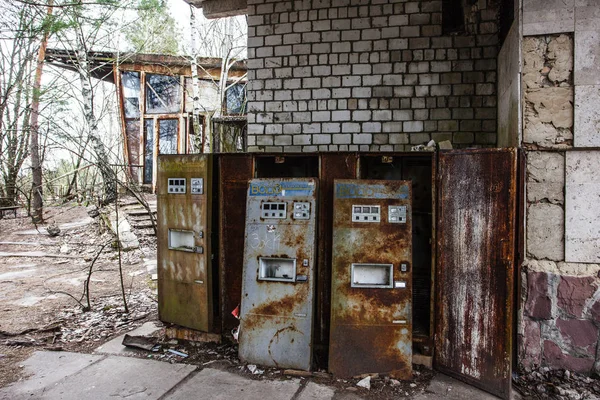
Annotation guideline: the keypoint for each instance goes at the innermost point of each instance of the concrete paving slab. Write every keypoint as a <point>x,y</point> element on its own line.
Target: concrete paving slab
<point>314,391</point>
<point>220,385</point>
<point>445,387</point>
<point>46,369</point>
<point>117,377</point>
<point>115,347</point>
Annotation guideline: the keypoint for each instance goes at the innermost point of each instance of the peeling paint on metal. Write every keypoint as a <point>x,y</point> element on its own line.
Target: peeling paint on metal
<point>476,243</point>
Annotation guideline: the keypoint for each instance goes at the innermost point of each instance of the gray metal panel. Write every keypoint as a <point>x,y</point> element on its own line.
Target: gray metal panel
<point>277,317</point>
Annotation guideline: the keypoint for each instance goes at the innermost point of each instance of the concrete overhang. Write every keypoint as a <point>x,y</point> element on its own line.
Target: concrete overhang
<point>220,8</point>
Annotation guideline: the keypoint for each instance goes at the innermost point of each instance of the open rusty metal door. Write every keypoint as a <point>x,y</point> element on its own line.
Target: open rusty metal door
<point>475,266</point>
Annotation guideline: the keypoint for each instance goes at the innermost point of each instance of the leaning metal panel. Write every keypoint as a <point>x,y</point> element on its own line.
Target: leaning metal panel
<point>279,268</point>
<point>371,306</point>
<point>184,257</point>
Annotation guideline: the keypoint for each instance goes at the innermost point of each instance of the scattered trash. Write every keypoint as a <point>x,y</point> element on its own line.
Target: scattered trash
<point>177,353</point>
<point>395,382</point>
<point>141,342</point>
<point>236,312</point>
<point>413,385</point>
<point>295,372</point>
<point>235,332</point>
<point>365,383</point>
<point>255,370</point>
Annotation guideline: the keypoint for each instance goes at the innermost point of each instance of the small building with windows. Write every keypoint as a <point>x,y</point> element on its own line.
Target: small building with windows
<point>156,103</point>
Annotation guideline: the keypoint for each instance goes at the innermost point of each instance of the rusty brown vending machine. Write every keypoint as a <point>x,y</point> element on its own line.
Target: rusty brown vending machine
<point>184,247</point>
<point>371,295</point>
<point>276,319</point>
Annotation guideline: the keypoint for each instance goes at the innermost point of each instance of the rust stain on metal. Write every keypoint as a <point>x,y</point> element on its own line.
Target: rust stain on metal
<point>235,170</point>
<point>476,242</point>
<point>371,328</point>
<point>332,166</point>
<point>278,280</point>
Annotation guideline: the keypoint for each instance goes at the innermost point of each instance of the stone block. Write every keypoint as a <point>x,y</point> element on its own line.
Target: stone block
<point>538,304</point>
<point>547,61</point>
<point>530,344</point>
<point>582,191</point>
<point>587,116</point>
<point>542,17</point>
<point>556,358</point>
<point>545,231</point>
<point>545,177</point>
<point>548,119</point>
<point>587,54</point>
<point>573,293</point>
<point>581,333</point>
<point>587,15</point>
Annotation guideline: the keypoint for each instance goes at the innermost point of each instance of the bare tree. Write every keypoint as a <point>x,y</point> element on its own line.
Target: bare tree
<point>36,163</point>
<point>226,39</point>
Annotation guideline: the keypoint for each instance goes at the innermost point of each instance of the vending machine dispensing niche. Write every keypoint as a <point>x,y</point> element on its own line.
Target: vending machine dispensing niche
<point>184,256</point>
<point>371,296</point>
<point>278,278</point>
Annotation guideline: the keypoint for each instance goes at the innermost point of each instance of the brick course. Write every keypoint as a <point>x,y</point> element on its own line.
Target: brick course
<point>329,75</point>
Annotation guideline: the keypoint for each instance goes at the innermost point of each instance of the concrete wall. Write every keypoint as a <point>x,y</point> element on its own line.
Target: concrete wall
<point>560,322</point>
<point>378,75</point>
<point>509,88</point>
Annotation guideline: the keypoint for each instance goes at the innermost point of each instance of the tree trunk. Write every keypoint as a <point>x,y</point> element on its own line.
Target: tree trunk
<point>195,87</point>
<point>36,165</point>
<point>108,177</point>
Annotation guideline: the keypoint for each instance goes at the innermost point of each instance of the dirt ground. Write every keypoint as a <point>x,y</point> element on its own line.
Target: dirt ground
<point>42,286</point>
<point>42,299</point>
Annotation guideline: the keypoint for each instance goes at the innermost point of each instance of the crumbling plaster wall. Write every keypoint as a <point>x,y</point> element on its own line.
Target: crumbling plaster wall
<point>560,321</point>
<point>370,75</point>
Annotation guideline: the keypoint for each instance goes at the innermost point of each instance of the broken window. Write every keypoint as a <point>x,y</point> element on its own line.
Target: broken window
<point>130,82</point>
<point>230,134</point>
<point>132,129</point>
<point>195,136</point>
<point>148,150</point>
<point>167,136</point>
<point>453,18</point>
<point>236,99</point>
<point>208,99</point>
<point>163,94</point>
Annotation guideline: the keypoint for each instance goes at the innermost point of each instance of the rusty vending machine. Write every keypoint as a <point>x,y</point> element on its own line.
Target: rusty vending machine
<point>276,326</point>
<point>184,241</point>
<point>371,296</point>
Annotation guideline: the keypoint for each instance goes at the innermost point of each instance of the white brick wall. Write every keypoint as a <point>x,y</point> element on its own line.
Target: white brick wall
<point>347,75</point>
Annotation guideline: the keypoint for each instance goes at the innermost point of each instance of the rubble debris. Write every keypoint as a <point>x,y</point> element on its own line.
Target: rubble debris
<point>93,211</point>
<point>177,353</point>
<point>53,230</point>
<point>365,383</point>
<point>546,383</point>
<point>141,342</point>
